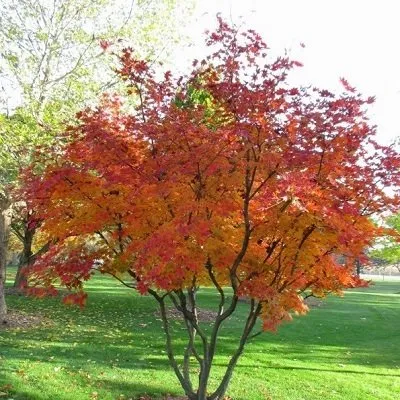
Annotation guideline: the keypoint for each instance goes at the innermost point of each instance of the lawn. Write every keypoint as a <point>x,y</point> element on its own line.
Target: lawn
<point>114,349</point>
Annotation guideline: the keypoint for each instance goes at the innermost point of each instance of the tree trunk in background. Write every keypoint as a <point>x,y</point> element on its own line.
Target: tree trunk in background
<point>5,222</point>
<point>21,281</point>
<point>358,268</point>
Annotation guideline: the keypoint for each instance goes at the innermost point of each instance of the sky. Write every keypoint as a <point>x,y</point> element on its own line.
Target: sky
<point>355,39</point>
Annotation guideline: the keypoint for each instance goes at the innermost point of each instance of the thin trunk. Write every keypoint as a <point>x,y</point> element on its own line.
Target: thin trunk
<point>5,221</point>
<point>358,268</point>
<point>191,347</point>
<point>181,302</point>
<point>211,348</point>
<point>251,320</point>
<point>184,383</point>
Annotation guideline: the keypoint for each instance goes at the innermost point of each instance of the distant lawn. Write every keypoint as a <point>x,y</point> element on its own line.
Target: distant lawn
<point>114,349</point>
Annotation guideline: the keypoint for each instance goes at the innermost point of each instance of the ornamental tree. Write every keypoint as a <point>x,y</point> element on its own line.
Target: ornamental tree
<point>227,178</point>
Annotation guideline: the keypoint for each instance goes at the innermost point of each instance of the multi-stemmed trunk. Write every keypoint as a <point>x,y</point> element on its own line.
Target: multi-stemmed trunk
<point>202,346</point>
<point>185,303</point>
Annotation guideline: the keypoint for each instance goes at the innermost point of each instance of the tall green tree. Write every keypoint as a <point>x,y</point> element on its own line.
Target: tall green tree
<point>50,48</point>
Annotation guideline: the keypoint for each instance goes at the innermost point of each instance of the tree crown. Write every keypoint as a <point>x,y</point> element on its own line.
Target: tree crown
<point>228,176</point>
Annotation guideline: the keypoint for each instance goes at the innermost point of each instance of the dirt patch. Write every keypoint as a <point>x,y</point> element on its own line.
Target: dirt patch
<point>202,315</point>
<point>20,320</point>
<point>12,291</point>
<point>168,397</point>
<point>313,302</point>
<point>175,398</point>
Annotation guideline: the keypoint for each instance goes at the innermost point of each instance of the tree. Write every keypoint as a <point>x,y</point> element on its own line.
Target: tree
<point>227,178</point>
<point>52,56</point>
<point>50,50</point>
<point>20,134</point>
<point>388,249</point>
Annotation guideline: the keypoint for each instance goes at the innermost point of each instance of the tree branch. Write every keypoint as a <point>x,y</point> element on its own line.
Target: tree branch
<point>186,385</point>
<point>251,320</point>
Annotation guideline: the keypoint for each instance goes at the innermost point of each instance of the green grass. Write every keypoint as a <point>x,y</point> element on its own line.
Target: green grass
<point>114,349</point>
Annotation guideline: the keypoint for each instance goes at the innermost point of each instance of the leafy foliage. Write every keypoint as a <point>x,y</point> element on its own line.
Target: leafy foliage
<point>388,249</point>
<point>53,61</point>
<point>227,177</point>
<point>50,51</point>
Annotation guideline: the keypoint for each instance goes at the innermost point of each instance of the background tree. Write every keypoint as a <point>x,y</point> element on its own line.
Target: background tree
<point>51,53</point>
<point>52,62</point>
<point>387,250</point>
<point>5,217</point>
<point>227,178</point>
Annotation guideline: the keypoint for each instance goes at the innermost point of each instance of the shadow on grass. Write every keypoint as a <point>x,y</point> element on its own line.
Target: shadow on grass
<point>294,368</point>
<point>129,390</point>
<point>120,332</point>
<point>100,387</point>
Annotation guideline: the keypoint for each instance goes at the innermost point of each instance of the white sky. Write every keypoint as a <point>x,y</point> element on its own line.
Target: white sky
<point>355,39</point>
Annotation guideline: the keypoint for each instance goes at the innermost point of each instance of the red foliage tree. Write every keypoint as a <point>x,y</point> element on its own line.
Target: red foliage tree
<point>226,178</point>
